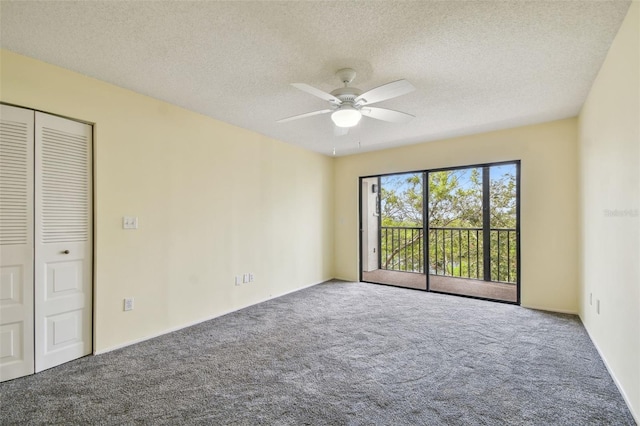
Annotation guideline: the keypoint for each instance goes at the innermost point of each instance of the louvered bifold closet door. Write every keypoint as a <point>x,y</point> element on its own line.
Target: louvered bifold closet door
<point>16,242</point>
<point>63,240</point>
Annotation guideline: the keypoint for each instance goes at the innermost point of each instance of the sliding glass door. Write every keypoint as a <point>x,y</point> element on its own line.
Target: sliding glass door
<point>392,230</point>
<point>464,240</point>
<point>473,231</point>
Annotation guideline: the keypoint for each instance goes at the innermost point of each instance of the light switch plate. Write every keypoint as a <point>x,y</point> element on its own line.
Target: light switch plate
<point>130,222</point>
<point>128,304</point>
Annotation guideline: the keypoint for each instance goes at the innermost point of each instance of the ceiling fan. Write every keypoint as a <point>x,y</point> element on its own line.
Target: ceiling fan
<point>347,104</point>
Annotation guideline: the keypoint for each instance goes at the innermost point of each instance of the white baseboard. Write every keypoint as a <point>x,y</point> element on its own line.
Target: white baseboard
<point>636,416</point>
<point>190,324</point>
<point>559,311</point>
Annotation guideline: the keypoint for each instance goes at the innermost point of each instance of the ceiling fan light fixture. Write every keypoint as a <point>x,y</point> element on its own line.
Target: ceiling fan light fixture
<point>346,116</point>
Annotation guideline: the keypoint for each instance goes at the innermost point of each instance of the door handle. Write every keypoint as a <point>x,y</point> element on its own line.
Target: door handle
<point>65,252</point>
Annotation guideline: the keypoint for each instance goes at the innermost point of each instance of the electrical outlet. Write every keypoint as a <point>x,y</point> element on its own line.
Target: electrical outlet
<point>251,277</point>
<point>128,304</point>
<point>245,278</point>
<point>129,222</point>
<point>238,279</point>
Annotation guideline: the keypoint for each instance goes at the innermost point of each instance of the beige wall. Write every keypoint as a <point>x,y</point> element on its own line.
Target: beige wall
<point>610,205</point>
<point>549,229</point>
<point>213,201</point>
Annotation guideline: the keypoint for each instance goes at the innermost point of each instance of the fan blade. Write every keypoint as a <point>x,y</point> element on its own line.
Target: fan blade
<point>317,92</point>
<point>384,92</point>
<point>307,114</point>
<point>385,114</point>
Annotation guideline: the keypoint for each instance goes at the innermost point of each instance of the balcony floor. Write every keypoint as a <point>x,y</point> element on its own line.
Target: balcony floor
<point>453,285</point>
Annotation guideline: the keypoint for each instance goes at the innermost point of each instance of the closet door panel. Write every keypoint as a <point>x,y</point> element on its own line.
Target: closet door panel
<point>63,241</point>
<point>16,242</point>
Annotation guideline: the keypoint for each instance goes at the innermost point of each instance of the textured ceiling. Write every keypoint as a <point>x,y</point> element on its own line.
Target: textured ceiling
<point>477,66</point>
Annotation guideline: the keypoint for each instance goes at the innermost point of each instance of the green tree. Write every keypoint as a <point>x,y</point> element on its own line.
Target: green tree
<point>401,198</point>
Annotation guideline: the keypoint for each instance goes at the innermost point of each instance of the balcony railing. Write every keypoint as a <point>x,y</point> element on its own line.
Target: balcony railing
<point>453,252</point>
<point>401,249</point>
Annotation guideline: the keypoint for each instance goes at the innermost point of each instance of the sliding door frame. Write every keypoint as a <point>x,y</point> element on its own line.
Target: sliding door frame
<point>425,220</point>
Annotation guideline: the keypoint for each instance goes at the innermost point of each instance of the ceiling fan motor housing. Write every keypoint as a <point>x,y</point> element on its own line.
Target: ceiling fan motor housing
<point>347,94</point>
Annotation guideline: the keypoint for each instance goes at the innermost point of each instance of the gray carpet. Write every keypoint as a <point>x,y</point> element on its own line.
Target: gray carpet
<point>339,353</point>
